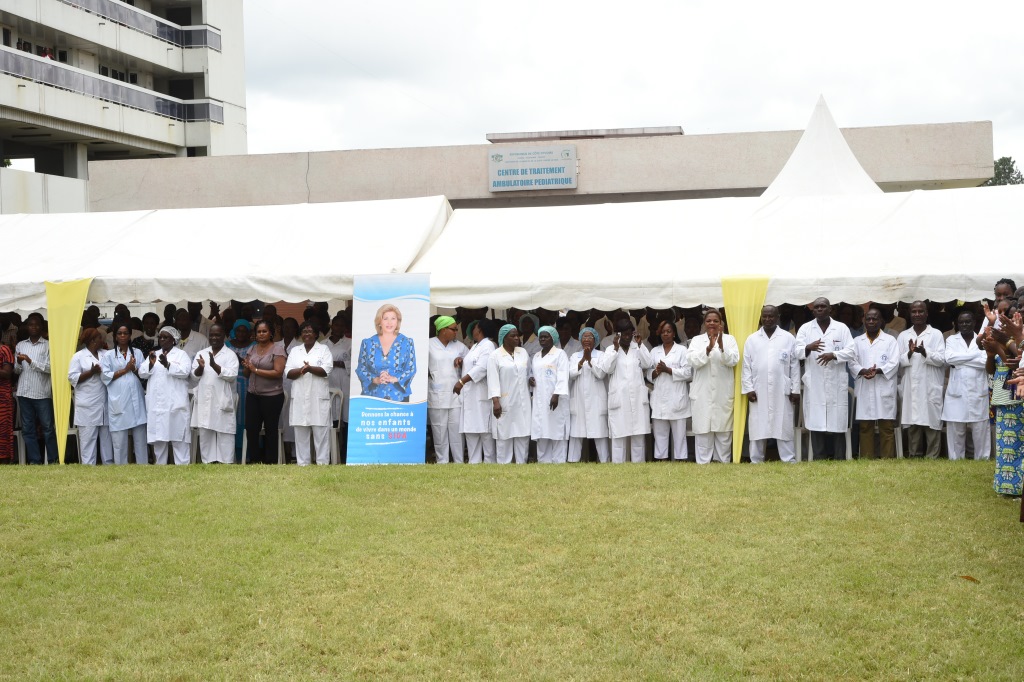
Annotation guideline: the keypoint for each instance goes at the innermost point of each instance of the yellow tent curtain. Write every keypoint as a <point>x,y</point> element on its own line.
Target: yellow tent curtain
<point>743,298</point>
<point>65,302</point>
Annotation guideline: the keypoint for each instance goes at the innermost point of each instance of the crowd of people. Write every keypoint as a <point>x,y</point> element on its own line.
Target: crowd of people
<point>559,386</point>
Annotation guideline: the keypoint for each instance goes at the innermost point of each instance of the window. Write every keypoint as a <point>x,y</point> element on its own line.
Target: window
<point>62,56</point>
<point>133,78</point>
<point>7,37</point>
<point>104,71</point>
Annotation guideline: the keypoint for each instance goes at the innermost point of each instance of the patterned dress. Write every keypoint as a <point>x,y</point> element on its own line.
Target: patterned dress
<point>1009,429</point>
<point>400,363</point>
<point>6,408</point>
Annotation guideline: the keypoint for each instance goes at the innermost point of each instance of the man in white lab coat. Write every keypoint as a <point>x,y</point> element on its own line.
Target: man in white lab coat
<point>967,401</point>
<point>629,414</point>
<point>923,372</point>
<point>216,369</point>
<point>875,365</point>
<point>167,406</point>
<point>770,379</point>
<point>825,346</point>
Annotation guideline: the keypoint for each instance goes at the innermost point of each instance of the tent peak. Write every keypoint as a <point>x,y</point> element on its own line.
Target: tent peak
<point>822,163</point>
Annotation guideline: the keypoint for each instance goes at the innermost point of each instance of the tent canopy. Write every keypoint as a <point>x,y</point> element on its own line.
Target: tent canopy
<point>286,253</point>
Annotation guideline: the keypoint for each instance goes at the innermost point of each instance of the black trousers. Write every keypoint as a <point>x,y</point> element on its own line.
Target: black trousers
<point>262,412</point>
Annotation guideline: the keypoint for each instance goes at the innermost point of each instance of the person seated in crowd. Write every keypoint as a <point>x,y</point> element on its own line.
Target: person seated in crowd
<point>147,341</point>
<point>191,342</point>
<point>874,366</point>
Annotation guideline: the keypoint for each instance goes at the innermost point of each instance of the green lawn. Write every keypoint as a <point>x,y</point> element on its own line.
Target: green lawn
<point>845,570</point>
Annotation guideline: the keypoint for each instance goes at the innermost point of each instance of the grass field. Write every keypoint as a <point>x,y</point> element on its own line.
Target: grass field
<point>847,570</point>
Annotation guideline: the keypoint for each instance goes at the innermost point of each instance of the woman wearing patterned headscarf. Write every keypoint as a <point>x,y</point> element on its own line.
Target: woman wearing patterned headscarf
<point>167,408</point>
<point>550,383</point>
<point>508,387</point>
<point>588,399</point>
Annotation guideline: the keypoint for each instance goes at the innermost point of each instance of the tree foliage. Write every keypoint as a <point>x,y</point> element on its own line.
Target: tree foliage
<point>1006,173</point>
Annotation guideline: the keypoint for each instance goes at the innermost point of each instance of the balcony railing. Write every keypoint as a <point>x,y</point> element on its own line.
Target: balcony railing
<point>136,19</point>
<point>66,77</point>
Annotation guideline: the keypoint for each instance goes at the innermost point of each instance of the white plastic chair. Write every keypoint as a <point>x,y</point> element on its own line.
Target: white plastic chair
<point>336,394</point>
<point>263,433</point>
<point>72,433</point>
<point>19,435</point>
<point>852,400</point>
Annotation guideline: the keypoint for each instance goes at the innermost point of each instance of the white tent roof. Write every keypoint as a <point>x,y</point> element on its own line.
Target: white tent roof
<point>287,253</point>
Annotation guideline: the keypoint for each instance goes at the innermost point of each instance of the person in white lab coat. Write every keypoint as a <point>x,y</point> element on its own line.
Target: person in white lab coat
<point>444,406</point>
<point>713,356</point>
<point>189,341</point>
<point>475,421</point>
<point>923,372</point>
<point>566,341</point>
<point>126,400</point>
<point>341,350</point>
<point>84,373</point>
<point>770,378</point>
<point>967,401</point>
<point>215,369</point>
<point>629,413</point>
<point>550,413</point>
<point>588,399</point>
<point>670,400</point>
<point>167,405</point>
<point>528,340</point>
<point>874,366</point>
<point>508,387</point>
<point>825,346</point>
<point>309,409</point>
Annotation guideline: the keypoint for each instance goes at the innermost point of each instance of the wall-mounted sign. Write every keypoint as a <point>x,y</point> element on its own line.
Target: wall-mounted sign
<point>521,168</point>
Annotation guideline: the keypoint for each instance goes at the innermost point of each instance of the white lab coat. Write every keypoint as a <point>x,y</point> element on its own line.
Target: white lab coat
<point>336,380</point>
<point>714,383</point>
<point>629,411</point>
<point>876,398</point>
<point>214,407</point>
<point>922,378</point>
<point>825,388</point>
<point>442,374</point>
<point>551,375</point>
<point>310,403</point>
<point>770,369</point>
<point>670,398</point>
<point>126,401</point>
<point>588,397</point>
<point>967,391</point>
<point>477,410</point>
<point>167,406</point>
<point>508,378</point>
<point>91,396</point>
<point>572,346</point>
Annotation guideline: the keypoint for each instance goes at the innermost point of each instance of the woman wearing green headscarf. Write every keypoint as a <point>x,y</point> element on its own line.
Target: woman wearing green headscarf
<point>444,407</point>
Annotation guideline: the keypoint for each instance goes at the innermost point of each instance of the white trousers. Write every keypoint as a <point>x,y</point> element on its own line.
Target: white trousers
<point>120,442</point>
<point>716,444</point>
<point>215,446</point>
<point>506,447</point>
<point>661,428</point>
<point>551,451</point>
<point>444,426</point>
<point>602,445</point>
<point>787,450</point>
<point>182,451</point>
<point>635,445</point>
<point>321,443</point>
<point>956,439</point>
<point>87,437</point>
<point>480,447</point>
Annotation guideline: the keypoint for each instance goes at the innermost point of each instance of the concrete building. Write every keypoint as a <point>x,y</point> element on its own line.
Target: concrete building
<point>611,166</point>
<point>88,80</point>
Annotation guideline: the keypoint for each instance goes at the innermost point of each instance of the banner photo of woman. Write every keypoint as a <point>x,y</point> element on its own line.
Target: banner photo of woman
<point>388,406</point>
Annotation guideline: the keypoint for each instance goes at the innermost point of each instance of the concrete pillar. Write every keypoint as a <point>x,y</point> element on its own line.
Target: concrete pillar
<point>76,161</point>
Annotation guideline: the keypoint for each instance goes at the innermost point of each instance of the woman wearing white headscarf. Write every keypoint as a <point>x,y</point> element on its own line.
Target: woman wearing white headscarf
<point>475,421</point>
<point>550,381</point>
<point>167,408</point>
<point>588,399</point>
<point>508,386</point>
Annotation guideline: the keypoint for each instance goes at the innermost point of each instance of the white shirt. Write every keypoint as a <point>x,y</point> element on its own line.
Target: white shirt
<point>571,346</point>
<point>922,378</point>
<point>508,380</point>
<point>214,407</point>
<point>126,401</point>
<point>629,411</point>
<point>477,410</point>
<point>825,387</point>
<point>772,371</point>
<point>967,391</point>
<point>714,383</point>
<point>167,405</point>
<point>442,375</point>
<point>670,398</point>
<point>33,377</point>
<point>588,397</point>
<point>90,395</point>
<point>551,376</point>
<point>876,398</point>
<point>310,403</point>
